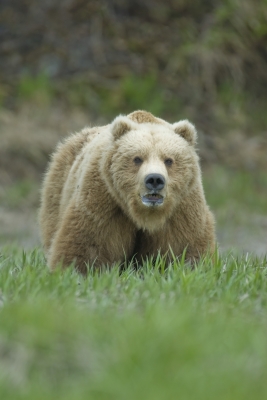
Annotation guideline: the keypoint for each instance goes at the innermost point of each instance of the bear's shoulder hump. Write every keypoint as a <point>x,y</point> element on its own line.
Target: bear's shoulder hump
<point>142,117</point>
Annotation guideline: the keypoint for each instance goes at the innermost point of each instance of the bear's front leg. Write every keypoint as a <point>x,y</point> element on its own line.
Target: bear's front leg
<point>84,241</point>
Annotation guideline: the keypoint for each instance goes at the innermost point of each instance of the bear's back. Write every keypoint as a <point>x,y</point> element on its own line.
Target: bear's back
<point>56,176</point>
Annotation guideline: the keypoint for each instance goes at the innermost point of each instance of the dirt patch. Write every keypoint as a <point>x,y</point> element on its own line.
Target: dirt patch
<point>248,237</point>
<point>29,136</point>
<point>19,227</point>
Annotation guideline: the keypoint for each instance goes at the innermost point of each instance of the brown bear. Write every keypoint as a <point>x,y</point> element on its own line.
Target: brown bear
<point>128,189</point>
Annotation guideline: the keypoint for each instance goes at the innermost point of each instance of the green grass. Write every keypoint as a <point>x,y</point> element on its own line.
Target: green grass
<point>157,333</point>
<point>37,89</point>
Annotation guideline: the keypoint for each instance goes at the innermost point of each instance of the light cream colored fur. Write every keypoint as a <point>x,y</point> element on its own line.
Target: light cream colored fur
<point>91,208</point>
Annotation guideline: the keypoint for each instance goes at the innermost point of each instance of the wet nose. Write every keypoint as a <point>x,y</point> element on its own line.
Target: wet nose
<point>154,181</point>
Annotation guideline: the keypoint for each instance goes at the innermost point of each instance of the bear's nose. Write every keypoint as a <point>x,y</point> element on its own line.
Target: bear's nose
<point>154,181</point>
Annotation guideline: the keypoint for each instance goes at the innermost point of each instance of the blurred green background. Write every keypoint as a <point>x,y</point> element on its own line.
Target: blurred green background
<point>72,63</point>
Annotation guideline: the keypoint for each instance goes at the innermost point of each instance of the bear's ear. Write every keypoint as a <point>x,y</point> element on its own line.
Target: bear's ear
<point>186,130</point>
<point>121,125</point>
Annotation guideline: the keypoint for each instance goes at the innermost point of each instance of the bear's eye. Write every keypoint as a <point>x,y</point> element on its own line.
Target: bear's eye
<point>138,160</point>
<point>168,162</point>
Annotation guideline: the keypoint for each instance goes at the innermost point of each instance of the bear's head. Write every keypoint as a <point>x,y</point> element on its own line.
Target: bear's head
<point>150,166</point>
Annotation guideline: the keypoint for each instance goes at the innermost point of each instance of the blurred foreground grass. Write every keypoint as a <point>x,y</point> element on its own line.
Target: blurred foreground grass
<point>147,334</point>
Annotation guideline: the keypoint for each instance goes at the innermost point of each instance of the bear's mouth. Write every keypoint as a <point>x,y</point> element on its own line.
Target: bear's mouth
<point>152,199</point>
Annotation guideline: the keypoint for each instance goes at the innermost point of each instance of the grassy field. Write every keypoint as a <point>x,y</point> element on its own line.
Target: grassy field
<point>162,332</point>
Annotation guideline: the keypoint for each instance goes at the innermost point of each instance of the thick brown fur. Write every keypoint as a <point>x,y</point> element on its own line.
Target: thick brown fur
<point>91,203</point>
